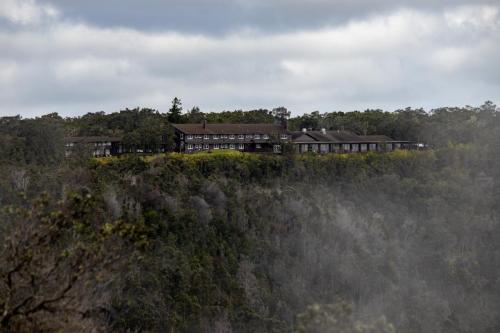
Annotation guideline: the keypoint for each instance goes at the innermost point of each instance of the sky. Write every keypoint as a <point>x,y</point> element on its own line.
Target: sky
<point>74,57</point>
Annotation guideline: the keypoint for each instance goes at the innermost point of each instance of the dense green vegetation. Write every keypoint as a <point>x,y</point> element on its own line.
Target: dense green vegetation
<point>405,241</point>
<point>39,140</point>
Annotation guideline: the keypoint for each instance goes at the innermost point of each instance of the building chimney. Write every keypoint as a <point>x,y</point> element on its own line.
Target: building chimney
<point>204,123</point>
<point>304,130</point>
<point>323,130</point>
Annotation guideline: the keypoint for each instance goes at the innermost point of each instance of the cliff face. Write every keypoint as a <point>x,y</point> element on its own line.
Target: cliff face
<point>248,242</point>
<point>235,242</point>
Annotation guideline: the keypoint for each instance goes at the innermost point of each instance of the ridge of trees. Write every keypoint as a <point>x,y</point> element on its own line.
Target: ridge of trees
<point>40,140</point>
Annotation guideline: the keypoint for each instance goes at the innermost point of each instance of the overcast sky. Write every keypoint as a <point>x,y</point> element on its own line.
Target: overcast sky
<point>74,57</point>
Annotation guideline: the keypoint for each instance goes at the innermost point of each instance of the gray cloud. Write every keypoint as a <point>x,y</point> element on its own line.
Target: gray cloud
<point>223,16</point>
<point>388,58</point>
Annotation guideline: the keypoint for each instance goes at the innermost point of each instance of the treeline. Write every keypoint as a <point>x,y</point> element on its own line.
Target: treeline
<point>149,130</point>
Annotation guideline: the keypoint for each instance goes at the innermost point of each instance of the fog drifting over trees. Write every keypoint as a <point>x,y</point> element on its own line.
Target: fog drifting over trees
<point>405,241</point>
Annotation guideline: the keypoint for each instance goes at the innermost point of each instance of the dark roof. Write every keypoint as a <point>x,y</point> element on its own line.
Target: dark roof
<point>91,139</point>
<point>376,138</point>
<point>326,136</point>
<point>339,137</point>
<point>381,138</point>
<point>230,128</point>
<point>302,137</point>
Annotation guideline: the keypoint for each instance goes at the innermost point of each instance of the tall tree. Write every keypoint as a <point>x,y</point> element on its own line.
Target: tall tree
<point>175,113</point>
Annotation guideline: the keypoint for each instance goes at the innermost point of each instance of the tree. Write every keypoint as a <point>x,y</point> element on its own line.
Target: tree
<point>51,261</point>
<point>195,115</point>
<point>174,115</point>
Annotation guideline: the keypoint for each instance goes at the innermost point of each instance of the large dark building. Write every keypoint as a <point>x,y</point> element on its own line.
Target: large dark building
<point>191,138</point>
<point>98,146</point>
<point>344,142</point>
<point>243,137</point>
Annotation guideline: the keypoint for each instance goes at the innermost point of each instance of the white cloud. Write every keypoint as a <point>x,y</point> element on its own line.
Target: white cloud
<point>473,17</point>
<point>26,12</point>
<point>7,71</point>
<point>406,57</point>
<point>90,68</point>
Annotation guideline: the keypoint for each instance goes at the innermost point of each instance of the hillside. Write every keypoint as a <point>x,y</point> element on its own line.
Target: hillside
<point>248,242</point>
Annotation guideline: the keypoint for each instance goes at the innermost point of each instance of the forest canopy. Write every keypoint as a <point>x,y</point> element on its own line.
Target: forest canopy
<point>402,241</point>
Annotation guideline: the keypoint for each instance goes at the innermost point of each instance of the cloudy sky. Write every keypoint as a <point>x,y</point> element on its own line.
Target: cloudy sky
<point>73,57</point>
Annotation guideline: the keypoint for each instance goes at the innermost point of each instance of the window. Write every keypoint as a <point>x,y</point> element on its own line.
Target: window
<point>324,148</point>
<point>241,136</point>
<point>277,148</point>
<point>346,147</point>
<point>216,146</point>
<point>373,146</point>
<point>181,135</point>
<point>265,136</point>
<point>397,146</point>
<point>241,146</point>
<point>223,136</point>
<point>190,146</point>
<point>256,136</point>
<point>249,136</point>
<point>389,146</point>
<point>231,136</point>
<point>189,137</point>
<point>206,146</point>
<point>355,147</point>
<point>231,146</point>
<point>198,136</point>
<point>258,146</point>
<point>215,137</point>
<point>206,137</point>
<point>284,136</point>
<point>198,146</point>
<point>223,146</point>
<point>364,147</point>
